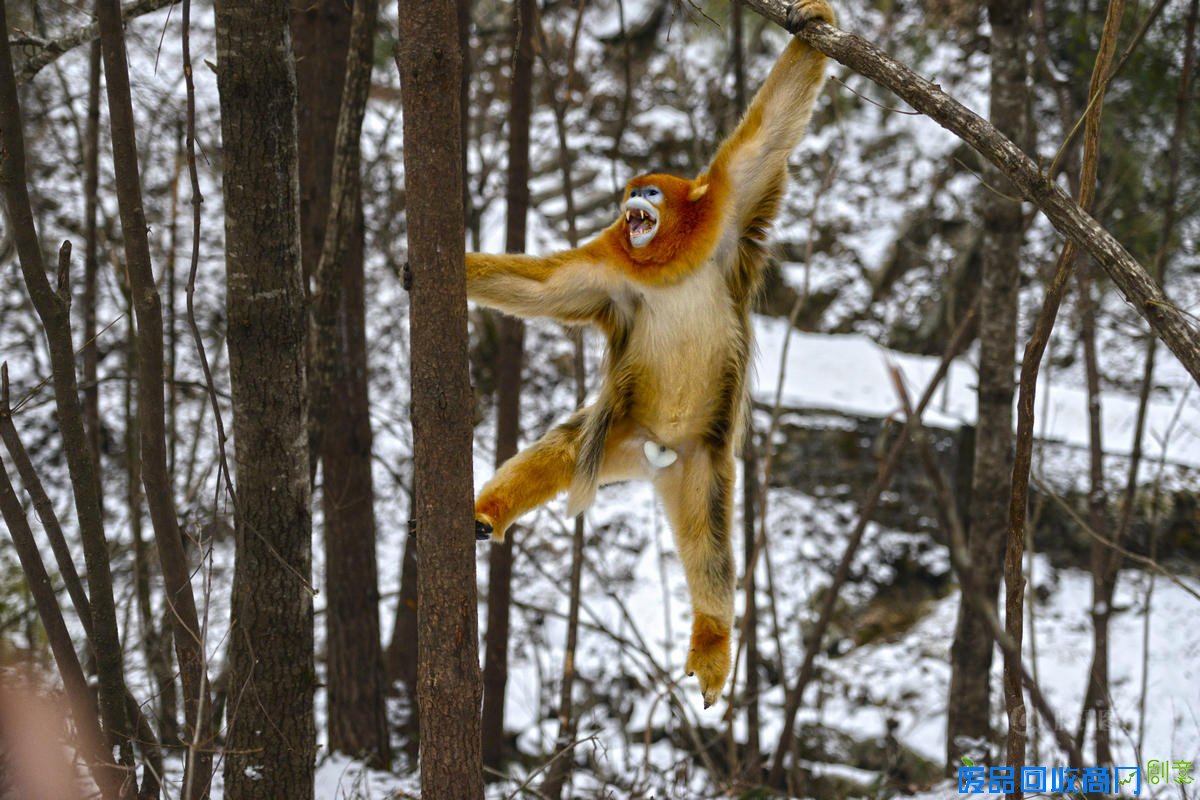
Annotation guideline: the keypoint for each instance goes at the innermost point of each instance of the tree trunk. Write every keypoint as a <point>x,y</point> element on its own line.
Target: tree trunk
<point>430,60</point>
<point>271,741</point>
<point>354,656</point>
<point>968,725</point>
<point>91,181</point>
<point>509,357</point>
<point>402,650</point>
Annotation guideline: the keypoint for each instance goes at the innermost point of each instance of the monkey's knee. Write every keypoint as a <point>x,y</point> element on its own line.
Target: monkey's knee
<point>525,481</point>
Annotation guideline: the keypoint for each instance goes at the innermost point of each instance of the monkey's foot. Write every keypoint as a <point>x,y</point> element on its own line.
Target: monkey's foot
<point>708,658</point>
<point>482,529</point>
<point>802,12</point>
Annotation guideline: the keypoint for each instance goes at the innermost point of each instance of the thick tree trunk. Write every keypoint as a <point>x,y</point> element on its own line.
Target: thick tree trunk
<point>271,741</point>
<point>354,656</point>
<point>971,653</point>
<point>430,60</point>
<point>509,358</point>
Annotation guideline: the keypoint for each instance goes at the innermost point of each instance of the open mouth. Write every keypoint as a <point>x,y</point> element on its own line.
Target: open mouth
<point>642,221</point>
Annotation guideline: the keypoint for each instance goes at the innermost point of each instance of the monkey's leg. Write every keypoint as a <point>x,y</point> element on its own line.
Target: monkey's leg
<point>544,469</point>
<point>697,492</point>
<point>529,478</point>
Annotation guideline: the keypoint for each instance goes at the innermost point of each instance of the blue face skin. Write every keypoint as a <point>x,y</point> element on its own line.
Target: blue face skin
<point>641,214</point>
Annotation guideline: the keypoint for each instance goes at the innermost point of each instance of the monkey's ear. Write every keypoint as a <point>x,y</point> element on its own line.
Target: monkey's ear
<point>699,188</point>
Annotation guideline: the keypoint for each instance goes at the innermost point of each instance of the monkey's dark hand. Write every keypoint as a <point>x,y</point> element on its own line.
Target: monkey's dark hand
<point>802,12</point>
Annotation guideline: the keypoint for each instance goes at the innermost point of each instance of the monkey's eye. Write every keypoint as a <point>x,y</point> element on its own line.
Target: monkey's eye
<point>651,193</point>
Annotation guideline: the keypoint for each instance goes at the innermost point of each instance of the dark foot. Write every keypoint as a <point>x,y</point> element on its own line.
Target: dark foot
<point>482,530</point>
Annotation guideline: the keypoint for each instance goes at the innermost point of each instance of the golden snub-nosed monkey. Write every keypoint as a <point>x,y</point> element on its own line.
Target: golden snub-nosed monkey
<point>670,284</point>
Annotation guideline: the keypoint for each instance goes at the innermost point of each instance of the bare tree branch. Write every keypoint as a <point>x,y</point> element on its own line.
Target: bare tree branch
<point>47,51</point>
<point>53,309</point>
<point>147,305</point>
<point>1138,288</point>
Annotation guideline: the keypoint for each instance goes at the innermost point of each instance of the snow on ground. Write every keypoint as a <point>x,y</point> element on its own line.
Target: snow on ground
<point>850,373</point>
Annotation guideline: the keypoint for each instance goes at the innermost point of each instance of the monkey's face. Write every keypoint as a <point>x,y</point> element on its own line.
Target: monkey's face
<point>643,207</point>
<point>661,216</point>
<point>660,208</point>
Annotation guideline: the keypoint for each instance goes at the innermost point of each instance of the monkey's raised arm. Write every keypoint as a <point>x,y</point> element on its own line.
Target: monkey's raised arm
<point>752,162</point>
<point>575,286</point>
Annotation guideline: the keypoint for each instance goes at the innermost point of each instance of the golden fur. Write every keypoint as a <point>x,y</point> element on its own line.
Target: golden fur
<point>676,313</point>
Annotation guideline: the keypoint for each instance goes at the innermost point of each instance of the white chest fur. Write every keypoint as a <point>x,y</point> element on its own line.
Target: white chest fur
<point>682,335</point>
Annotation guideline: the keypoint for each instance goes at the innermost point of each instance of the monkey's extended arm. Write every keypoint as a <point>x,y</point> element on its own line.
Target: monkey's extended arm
<point>575,286</point>
<point>752,162</point>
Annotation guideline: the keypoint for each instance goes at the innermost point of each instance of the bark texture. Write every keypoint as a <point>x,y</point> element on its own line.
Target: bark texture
<point>271,741</point>
<point>968,726</point>
<point>429,56</point>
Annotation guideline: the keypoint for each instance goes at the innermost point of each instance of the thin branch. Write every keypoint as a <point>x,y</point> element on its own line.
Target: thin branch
<point>44,508</point>
<point>812,642</point>
<point>1116,548</point>
<point>49,50</point>
<point>152,435</point>
<point>198,200</point>
<point>108,776</point>
<point>53,311</point>
<point>1035,348</point>
<point>1035,185</point>
<point>967,574</point>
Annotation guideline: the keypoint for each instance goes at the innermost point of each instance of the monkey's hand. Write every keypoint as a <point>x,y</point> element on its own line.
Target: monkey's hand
<point>708,658</point>
<point>802,12</point>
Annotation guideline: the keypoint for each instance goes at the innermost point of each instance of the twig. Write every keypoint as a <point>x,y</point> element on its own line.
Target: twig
<point>812,641</point>
<point>106,773</point>
<point>1109,543</point>
<point>49,50</point>
<point>53,311</point>
<point>44,508</point>
<point>972,592</point>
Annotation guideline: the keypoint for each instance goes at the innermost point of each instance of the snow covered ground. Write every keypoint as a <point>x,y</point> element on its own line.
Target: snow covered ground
<point>850,373</point>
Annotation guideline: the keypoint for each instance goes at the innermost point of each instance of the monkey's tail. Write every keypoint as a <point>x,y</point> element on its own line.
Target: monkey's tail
<point>581,494</point>
<point>591,457</point>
